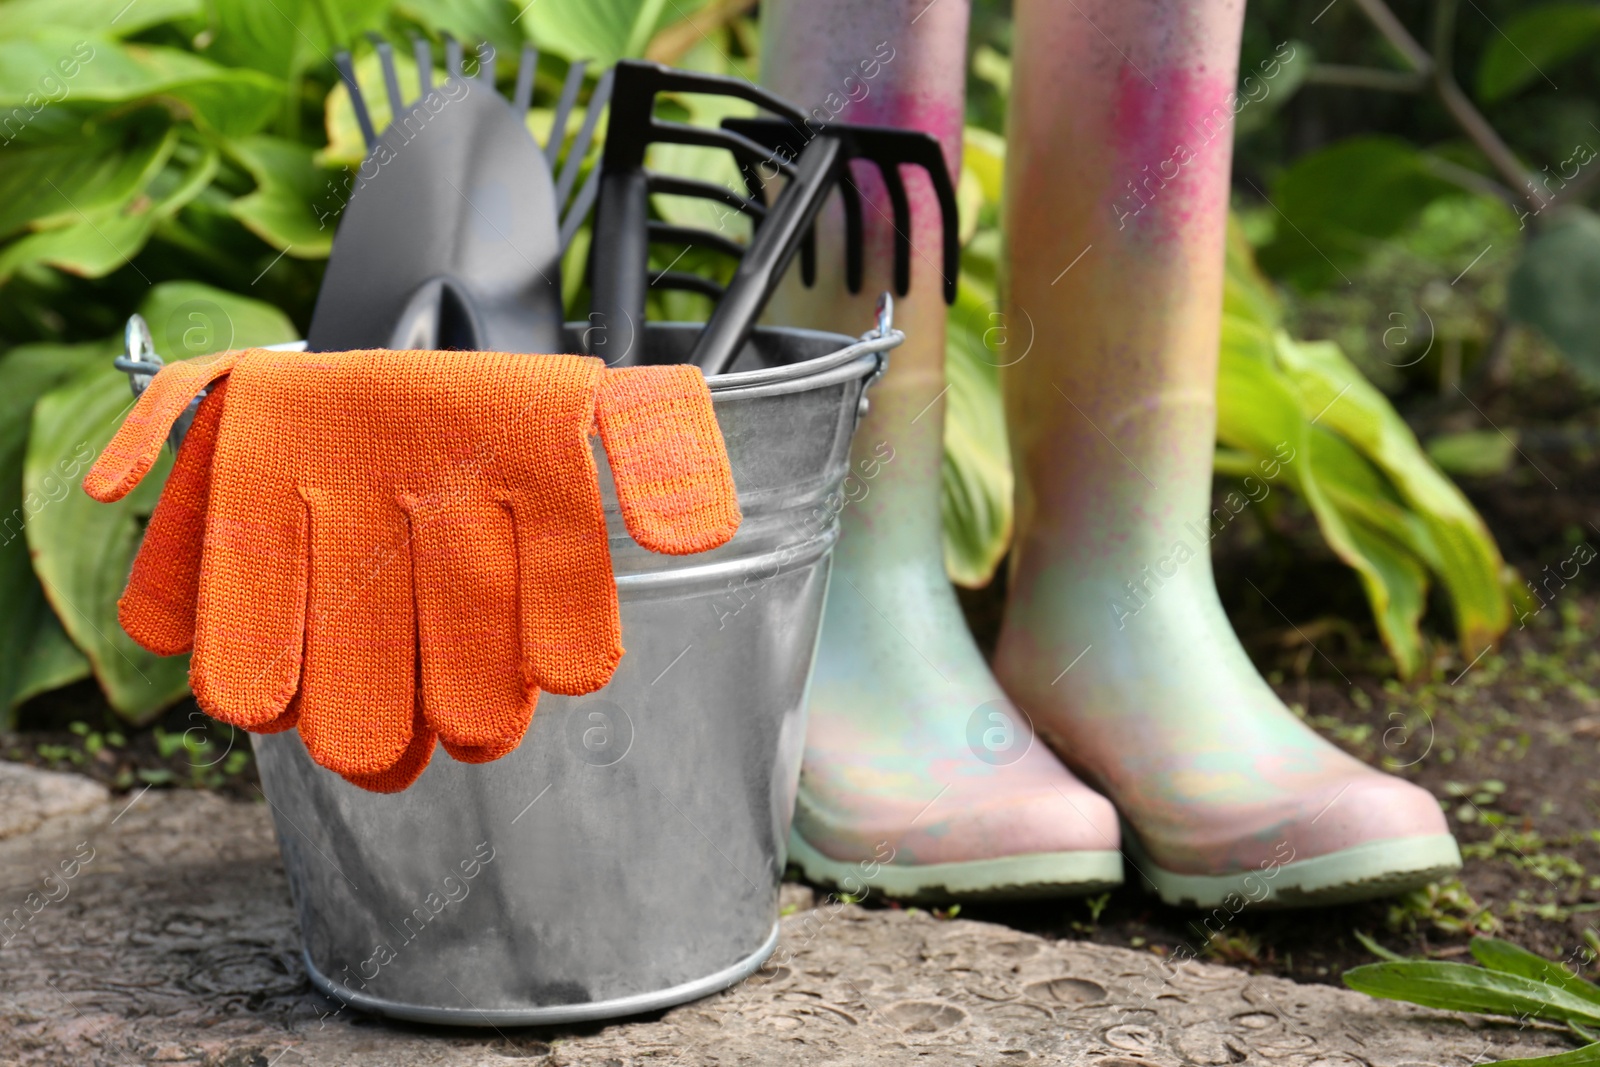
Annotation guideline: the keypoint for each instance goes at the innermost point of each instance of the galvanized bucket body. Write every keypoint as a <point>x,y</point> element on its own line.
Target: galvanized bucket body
<point>627,856</point>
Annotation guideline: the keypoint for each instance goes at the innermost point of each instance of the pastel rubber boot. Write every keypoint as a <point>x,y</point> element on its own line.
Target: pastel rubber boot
<point>1116,214</point>
<point>919,779</point>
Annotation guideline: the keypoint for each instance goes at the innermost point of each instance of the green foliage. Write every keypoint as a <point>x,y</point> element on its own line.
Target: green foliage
<point>1511,982</point>
<point>1533,44</point>
<point>977,479</point>
<point>1556,287</point>
<point>1337,203</point>
<point>1382,506</point>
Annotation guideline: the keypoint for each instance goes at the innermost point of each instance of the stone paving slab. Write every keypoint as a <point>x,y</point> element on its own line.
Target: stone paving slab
<point>157,928</point>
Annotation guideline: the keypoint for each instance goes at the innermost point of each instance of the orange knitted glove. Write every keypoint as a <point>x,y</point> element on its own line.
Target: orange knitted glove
<point>334,516</point>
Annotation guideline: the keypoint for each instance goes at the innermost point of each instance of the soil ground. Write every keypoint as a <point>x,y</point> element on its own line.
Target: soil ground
<point>1509,743</point>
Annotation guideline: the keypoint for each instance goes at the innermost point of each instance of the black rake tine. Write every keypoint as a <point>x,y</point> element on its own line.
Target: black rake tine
<point>580,144</point>
<point>347,71</point>
<point>569,96</point>
<point>522,98</point>
<point>902,225</point>
<point>452,58</point>
<point>674,185</point>
<point>851,195</point>
<point>581,205</point>
<point>422,52</point>
<point>391,80</point>
<point>685,281</point>
<point>808,257</point>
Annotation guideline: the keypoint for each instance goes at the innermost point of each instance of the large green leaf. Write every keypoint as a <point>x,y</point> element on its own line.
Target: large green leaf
<point>99,242</point>
<point>1503,956</point>
<point>976,501</point>
<point>1462,987</point>
<point>1334,392</point>
<point>1556,286</point>
<point>976,474</point>
<point>1382,506</point>
<point>1259,413</point>
<point>189,319</point>
<point>29,647</point>
<point>109,18</point>
<point>601,31</point>
<point>82,549</point>
<point>1587,1056</point>
<point>230,101</point>
<point>1339,202</point>
<point>471,21</point>
<point>1532,44</point>
<point>289,187</point>
<point>45,184</point>
<point>283,37</point>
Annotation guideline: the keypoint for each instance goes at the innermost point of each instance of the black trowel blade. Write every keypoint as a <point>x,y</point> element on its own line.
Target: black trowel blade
<point>455,188</point>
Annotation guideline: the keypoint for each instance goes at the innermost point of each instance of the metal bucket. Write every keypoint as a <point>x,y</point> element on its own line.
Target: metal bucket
<point>627,856</point>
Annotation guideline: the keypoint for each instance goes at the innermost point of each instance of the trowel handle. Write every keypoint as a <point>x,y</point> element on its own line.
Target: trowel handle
<point>771,250</point>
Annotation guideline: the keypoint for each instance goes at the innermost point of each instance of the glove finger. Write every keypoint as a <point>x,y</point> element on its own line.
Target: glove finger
<point>158,608</point>
<point>464,559</point>
<point>250,617</point>
<point>408,768</point>
<point>287,721</point>
<point>481,753</point>
<point>133,450</point>
<point>358,683</point>
<point>667,457</point>
<point>571,632</point>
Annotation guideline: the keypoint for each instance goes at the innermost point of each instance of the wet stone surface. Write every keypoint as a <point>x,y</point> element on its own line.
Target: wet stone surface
<point>157,928</point>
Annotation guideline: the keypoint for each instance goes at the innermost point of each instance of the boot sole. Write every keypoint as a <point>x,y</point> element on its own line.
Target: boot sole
<point>1039,874</point>
<point>1362,872</point>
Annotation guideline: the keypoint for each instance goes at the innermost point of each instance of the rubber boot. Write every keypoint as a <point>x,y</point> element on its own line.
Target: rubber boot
<point>1119,139</point>
<point>919,780</point>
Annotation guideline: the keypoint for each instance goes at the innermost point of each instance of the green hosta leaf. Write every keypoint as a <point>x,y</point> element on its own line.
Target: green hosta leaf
<point>1556,286</point>
<point>48,184</point>
<point>1462,987</point>
<point>1587,1056</point>
<point>1532,44</point>
<point>1503,956</point>
<point>29,653</point>
<point>1381,505</point>
<point>977,477</point>
<point>601,31</point>
<point>51,660</point>
<point>283,37</point>
<point>1339,202</point>
<point>1475,453</point>
<point>190,319</point>
<point>101,18</point>
<point>1272,84</point>
<point>289,187</point>
<point>95,244</point>
<point>495,21</point>
<point>82,549</point>
<point>1258,412</point>
<point>1336,394</point>
<point>230,101</point>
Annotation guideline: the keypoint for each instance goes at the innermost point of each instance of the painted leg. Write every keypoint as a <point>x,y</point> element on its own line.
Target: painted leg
<point>1119,145</point>
<point>890,767</point>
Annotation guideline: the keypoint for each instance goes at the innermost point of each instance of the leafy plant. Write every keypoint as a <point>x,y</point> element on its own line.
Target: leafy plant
<point>1382,506</point>
<point>1511,982</point>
